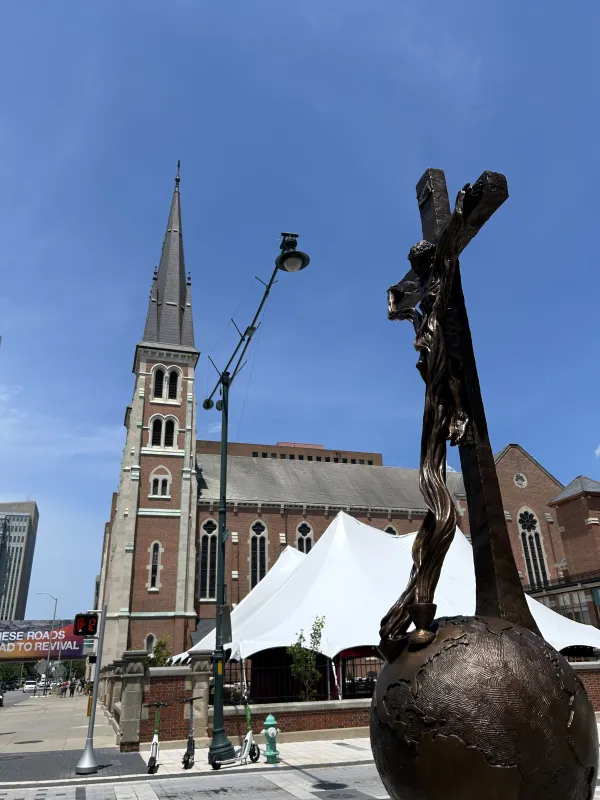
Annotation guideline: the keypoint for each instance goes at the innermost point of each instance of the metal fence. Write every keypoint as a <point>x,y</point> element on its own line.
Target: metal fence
<point>268,677</point>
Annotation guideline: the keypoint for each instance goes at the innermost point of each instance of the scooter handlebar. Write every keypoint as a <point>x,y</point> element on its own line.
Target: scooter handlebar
<point>156,705</point>
<point>191,699</point>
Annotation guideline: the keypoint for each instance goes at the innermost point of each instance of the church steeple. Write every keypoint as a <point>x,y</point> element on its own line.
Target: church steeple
<point>168,321</point>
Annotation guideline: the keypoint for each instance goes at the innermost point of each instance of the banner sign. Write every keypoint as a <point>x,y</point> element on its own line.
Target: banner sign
<point>29,640</point>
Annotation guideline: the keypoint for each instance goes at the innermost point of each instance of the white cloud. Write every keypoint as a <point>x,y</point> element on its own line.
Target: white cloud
<point>598,451</point>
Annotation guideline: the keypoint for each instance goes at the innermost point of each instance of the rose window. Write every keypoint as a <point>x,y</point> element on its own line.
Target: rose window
<point>527,521</point>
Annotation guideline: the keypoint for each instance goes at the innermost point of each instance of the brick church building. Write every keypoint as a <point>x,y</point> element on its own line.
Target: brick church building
<point>158,571</point>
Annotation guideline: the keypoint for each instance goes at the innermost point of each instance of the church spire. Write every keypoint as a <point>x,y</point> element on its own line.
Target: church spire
<point>168,320</point>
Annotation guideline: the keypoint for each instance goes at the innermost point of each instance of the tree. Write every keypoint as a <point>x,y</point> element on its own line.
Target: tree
<point>304,659</point>
<point>9,672</point>
<point>78,666</point>
<point>161,653</point>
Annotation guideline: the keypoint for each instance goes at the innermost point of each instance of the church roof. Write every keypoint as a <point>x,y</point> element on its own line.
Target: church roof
<point>266,480</point>
<point>169,317</point>
<point>581,485</point>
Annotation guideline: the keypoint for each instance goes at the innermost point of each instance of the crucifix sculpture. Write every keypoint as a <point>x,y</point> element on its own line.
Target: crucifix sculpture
<point>468,708</point>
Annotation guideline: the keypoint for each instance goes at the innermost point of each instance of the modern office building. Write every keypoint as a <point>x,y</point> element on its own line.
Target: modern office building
<point>18,531</point>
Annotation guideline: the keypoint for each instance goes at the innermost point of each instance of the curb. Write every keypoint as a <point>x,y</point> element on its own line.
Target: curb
<point>143,777</point>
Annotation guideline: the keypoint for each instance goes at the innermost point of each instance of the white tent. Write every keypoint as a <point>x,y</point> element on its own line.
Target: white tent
<point>288,562</point>
<point>352,576</point>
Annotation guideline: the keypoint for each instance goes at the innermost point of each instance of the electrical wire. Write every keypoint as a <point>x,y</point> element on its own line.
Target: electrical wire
<point>258,338</point>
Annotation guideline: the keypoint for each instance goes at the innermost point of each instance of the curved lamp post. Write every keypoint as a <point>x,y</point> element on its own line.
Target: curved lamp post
<point>50,645</point>
<point>289,260</point>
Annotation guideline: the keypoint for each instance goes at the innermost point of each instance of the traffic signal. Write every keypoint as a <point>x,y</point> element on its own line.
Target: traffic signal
<point>92,660</point>
<point>85,625</point>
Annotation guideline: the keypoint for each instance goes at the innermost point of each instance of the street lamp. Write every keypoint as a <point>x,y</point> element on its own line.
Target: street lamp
<point>51,596</point>
<point>289,260</point>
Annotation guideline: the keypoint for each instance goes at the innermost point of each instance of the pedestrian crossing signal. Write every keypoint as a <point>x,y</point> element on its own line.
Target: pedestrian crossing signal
<point>85,625</point>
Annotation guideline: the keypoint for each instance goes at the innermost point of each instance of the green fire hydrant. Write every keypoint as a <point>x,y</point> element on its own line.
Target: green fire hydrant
<point>270,731</point>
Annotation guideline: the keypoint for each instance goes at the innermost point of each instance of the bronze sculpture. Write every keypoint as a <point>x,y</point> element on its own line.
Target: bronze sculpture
<point>468,708</point>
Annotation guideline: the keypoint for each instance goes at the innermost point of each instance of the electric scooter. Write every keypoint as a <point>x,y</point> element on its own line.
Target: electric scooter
<point>189,755</point>
<point>155,747</point>
<point>249,749</point>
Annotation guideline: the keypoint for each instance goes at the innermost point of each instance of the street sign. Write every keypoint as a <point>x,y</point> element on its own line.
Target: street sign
<point>41,667</point>
<point>89,645</point>
<point>85,625</point>
<point>60,671</point>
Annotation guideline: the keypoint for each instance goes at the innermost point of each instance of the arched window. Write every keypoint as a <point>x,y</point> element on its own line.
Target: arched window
<point>157,433</point>
<point>154,565</point>
<point>173,380</point>
<point>159,382</point>
<point>169,433</point>
<point>258,553</point>
<point>533,551</point>
<point>149,643</point>
<point>391,530</point>
<point>208,560</point>
<point>160,482</point>
<point>305,537</point>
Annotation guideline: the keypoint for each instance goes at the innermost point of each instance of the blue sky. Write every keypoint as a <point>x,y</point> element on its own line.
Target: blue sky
<point>315,116</point>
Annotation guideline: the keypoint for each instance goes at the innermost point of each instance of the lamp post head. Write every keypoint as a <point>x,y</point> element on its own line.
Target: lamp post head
<point>290,259</point>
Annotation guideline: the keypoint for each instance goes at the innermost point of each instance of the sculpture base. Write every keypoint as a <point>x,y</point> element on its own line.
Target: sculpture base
<point>486,710</point>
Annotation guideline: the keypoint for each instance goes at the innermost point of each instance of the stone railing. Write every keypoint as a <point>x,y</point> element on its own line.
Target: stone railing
<point>128,684</point>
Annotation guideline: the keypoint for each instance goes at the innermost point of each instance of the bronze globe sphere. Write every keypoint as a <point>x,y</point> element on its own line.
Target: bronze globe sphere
<point>486,711</point>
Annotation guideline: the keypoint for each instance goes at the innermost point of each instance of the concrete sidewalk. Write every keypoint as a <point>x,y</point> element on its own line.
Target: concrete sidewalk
<point>50,723</point>
<point>323,752</point>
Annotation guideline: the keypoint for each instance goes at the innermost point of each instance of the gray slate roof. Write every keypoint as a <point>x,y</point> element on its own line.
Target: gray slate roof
<point>581,485</point>
<point>266,480</point>
<point>169,318</point>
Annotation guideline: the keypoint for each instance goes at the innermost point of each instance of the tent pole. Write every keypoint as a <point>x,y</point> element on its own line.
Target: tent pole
<point>244,684</point>
<point>335,679</point>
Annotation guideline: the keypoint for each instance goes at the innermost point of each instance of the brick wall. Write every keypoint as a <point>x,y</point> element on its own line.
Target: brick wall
<point>311,716</point>
<point>582,542</point>
<point>590,677</point>
<point>174,720</point>
<point>540,490</point>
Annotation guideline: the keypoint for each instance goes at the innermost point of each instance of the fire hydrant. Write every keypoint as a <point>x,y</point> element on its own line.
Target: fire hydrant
<point>270,731</point>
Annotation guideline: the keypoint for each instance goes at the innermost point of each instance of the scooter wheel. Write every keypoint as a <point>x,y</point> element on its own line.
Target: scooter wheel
<point>215,764</point>
<point>186,761</point>
<point>254,753</point>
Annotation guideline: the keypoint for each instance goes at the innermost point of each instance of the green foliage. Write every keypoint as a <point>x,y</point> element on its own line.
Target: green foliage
<point>161,653</point>
<point>304,659</point>
<point>77,666</point>
<point>9,672</point>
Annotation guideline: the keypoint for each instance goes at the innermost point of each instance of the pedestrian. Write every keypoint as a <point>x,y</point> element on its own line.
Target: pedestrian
<point>72,686</point>
<point>63,689</point>
<point>81,685</point>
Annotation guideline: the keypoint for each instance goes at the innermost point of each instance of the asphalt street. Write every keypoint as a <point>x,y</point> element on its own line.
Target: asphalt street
<point>14,697</point>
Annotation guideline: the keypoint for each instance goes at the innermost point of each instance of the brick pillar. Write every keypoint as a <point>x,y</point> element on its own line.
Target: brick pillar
<point>118,683</point>
<point>132,691</point>
<point>201,671</point>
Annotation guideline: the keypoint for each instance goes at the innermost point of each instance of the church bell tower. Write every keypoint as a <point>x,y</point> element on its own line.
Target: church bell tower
<point>148,571</point>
